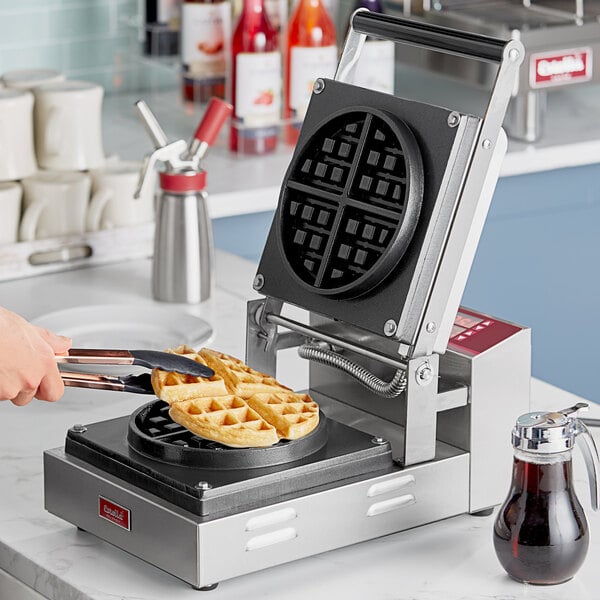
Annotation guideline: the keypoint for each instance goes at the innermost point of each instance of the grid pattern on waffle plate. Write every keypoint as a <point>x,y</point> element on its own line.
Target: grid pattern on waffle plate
<point>157,425</point>
<point>344,200</point>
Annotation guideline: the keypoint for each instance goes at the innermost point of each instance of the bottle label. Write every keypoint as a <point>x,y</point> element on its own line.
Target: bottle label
<point>258,88</point>
<point>306,65</point>
<point>380,79</point>
<point>205,37</point>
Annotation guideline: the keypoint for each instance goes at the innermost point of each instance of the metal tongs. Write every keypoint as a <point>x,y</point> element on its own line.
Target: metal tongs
<point>137,384</point>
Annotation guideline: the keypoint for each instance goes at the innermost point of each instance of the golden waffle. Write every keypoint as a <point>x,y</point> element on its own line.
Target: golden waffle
<point>293,415</point>
<point>240,379</point>
<point>176,387</point>
<point>225,419</point>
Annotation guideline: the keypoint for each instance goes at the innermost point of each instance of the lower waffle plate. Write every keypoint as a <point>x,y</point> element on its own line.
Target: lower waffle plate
<point>346,455</point>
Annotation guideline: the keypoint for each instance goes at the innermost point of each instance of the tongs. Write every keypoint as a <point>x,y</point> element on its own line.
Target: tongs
<point>138,384</point>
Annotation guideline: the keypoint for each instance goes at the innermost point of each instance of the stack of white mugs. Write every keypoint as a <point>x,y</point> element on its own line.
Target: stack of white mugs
<point>55,179</point>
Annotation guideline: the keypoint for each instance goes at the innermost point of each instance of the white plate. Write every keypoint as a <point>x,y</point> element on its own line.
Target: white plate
<point>127,326</point>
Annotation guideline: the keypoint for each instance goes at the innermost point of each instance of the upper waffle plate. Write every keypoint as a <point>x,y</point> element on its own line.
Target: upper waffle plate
<point>351,202</point>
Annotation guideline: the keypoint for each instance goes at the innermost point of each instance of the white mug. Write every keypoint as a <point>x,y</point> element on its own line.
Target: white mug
<point>68,125</point>
<point>27,79</point>
<point>17,155</point>
<point>113,203</point>
<point>10,211</point>
<point>55,203</point>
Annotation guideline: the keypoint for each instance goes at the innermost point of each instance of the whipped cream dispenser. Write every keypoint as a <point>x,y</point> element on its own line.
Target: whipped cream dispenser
<point>183,246</point>
<point>541,533</point>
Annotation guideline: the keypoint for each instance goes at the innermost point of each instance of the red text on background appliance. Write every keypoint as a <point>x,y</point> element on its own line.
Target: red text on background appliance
<point>559,68</point>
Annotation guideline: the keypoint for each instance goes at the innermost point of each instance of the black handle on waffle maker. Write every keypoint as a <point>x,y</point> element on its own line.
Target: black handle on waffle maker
<point>429,36</point>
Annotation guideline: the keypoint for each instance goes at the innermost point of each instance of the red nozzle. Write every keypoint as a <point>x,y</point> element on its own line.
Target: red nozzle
<point>214,118</point>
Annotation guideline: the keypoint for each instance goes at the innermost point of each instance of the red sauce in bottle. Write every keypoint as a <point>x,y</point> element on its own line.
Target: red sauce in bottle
<point>256,81</point>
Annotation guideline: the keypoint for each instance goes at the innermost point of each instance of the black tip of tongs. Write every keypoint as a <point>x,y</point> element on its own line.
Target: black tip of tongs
<point>137,384</point>
<point>165,361</point>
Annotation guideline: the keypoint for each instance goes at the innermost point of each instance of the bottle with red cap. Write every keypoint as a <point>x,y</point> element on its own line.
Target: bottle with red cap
<point>183,246</point>
<point>256,82</point>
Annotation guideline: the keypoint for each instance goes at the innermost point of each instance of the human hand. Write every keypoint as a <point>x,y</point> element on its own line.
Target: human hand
<point>27,360</point>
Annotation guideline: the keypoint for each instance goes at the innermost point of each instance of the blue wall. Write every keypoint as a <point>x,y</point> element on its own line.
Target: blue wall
<point>538,264</point>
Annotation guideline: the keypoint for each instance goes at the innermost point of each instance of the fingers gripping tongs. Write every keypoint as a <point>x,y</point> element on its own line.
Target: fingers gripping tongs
<point>138,384</point>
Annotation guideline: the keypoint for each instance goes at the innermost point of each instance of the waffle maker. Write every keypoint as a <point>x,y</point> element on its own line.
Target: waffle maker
<point>561,39</point>
<point>377,224</point>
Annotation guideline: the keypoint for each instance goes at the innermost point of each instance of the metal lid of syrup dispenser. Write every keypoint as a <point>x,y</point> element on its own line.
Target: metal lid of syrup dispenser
<point>547,432</point>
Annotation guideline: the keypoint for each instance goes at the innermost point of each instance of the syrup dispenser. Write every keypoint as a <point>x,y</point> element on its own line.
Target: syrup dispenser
<point>183,246</point>
<point>541,533</point>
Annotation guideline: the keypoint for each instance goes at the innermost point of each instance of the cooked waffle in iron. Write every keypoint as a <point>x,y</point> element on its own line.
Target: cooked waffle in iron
<point>240,379</point>
<point>176,387</point>
<point>293,415</point>
<point>225,419</point>
<point>238,406</point>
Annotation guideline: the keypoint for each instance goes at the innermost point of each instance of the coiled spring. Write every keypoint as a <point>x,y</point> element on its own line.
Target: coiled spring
<point>386,389</point>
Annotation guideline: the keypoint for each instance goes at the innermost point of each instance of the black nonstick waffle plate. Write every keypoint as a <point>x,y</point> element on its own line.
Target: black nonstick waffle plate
<point>153,433</point>
<point>350,202</point>
<point>356,204</point>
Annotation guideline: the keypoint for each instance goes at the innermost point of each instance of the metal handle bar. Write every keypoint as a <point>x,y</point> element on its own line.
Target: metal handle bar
<point>429,36</point>
<point>507,54</point>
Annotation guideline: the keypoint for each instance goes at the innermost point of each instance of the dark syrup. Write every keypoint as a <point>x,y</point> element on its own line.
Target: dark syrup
<point>541,533</point>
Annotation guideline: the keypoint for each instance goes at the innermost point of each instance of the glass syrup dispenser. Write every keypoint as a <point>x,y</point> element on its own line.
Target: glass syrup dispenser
<point>541,533</point>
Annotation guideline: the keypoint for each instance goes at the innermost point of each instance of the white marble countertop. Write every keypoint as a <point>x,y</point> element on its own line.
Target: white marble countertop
<point>450,560</point>
<point>245,184</point>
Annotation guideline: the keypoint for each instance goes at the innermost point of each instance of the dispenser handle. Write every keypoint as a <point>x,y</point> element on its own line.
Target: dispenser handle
<point>169,154</point>
<point>592,462</point>
<point>217,112</point>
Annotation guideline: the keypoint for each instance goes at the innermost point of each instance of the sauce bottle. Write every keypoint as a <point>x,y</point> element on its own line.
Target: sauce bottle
<point>205,42</point>
<point>256,82</point>
<point>311,53</point>
<point>541,533</point>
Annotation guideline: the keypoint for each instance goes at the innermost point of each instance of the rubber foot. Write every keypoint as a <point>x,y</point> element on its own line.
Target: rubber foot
<point>486,512</point>
<point>208,588</point>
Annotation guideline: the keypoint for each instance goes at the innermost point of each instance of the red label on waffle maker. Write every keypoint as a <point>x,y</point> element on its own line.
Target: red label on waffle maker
<point>119,515</point>
<point>474,333</point>
<point>559,68</point>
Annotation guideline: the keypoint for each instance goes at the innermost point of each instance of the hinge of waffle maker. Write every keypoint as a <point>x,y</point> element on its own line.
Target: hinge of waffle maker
<point>377,224</point>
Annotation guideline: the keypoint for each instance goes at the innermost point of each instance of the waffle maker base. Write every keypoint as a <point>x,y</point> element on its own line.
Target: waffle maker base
<point>333,452</point>
<point>347,492</point>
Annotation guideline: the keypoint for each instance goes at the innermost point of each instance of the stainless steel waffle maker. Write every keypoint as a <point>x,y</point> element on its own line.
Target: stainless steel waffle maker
<point>377,224</point>
<point>561,40</point>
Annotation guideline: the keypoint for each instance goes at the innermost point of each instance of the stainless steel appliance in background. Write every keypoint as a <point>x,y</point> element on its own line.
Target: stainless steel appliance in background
<point>377,224</point>
<point>561,39</point>
<point>182,265</point>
